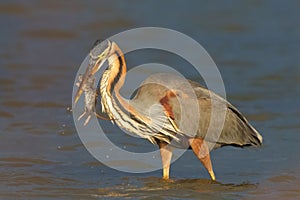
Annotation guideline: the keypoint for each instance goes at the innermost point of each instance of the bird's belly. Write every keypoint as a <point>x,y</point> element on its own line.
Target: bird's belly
<point>181,144</point>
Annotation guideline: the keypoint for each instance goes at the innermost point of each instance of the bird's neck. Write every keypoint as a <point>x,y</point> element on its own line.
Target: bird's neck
<point>111,82</point>
<point>116,71</point>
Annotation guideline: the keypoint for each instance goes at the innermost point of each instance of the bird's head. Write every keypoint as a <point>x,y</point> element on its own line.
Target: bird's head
<point>97,57</point>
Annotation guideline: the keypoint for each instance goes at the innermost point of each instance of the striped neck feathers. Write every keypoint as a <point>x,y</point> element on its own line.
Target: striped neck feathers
<point>111,82</point>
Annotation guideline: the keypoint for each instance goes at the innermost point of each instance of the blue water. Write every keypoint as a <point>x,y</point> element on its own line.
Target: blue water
<point>255,45</point>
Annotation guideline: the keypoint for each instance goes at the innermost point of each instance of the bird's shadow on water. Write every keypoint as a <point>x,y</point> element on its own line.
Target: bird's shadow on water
<point>154,187</point>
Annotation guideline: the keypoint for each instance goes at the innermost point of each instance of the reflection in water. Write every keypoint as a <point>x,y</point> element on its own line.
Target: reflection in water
<point>150,187</point>
<point>23,162</point>
<point>193,189</point>
<point>49,34</point>
<point>14,9</point>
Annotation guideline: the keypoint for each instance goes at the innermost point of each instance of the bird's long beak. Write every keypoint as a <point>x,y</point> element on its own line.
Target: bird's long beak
<point>96,61</point>
<point>90,71</point>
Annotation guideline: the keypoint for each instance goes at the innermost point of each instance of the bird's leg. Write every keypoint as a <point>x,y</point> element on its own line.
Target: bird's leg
<point>201,150</point>
<point>166,155</point>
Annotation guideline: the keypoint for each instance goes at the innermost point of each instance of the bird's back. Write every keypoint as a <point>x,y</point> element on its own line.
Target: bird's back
<point>236,129</point>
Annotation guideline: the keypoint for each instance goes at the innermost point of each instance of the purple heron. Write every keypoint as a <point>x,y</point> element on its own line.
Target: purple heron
<point>236,130</point>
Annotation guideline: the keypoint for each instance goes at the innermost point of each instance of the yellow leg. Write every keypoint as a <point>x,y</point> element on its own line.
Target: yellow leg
<point>201,150</point>
<point>166,155</point>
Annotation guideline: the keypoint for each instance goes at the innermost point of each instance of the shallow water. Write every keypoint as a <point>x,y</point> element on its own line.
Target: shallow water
<point>255,44</point>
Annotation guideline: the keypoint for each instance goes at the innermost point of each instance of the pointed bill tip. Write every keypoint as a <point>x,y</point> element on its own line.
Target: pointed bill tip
<point>77,96</point>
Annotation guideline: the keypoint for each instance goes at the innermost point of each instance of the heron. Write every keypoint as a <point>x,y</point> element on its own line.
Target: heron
<point>163,128</point>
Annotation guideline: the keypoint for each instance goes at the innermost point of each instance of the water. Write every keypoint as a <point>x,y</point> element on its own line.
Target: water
<point>255,45</point>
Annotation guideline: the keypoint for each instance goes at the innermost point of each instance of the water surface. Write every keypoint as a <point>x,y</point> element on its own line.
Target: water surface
<point>254,43</point>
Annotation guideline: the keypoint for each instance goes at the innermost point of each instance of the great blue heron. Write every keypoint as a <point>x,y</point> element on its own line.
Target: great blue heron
<point>126,114</point>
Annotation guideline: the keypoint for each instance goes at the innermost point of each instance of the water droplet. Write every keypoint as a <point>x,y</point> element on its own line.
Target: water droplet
<point>69,109</point>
